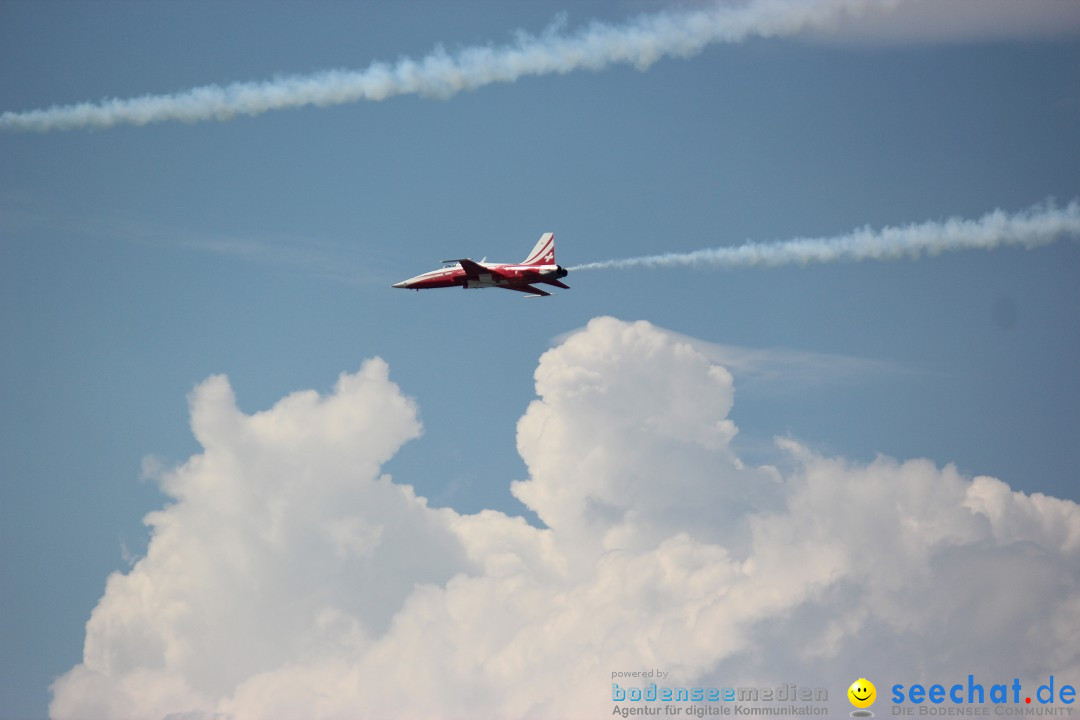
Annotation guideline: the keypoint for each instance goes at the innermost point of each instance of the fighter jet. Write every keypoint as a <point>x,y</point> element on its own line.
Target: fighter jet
<point>538,267</point>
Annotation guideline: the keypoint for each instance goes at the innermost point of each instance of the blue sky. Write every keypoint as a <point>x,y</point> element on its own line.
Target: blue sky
<point>135,262</point>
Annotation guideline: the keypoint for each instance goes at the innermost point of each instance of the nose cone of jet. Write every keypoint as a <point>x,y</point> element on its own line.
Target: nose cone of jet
<point>402,284</point>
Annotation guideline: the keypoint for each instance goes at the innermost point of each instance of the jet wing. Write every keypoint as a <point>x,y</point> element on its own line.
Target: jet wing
<point>525,289</point>
<point>473,269</point>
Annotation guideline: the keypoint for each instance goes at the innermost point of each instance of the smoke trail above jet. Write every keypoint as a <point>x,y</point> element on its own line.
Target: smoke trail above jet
<point>639,42</point>
<point>1034,227</point>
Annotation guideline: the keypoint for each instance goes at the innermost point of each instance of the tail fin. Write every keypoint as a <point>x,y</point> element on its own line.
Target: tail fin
<point>543,253</point>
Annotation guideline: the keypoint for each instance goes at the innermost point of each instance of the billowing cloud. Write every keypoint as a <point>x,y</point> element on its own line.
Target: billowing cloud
<point>289,579</point>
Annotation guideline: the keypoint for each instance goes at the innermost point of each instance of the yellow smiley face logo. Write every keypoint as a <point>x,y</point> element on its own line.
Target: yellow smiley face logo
<point>862,693</point>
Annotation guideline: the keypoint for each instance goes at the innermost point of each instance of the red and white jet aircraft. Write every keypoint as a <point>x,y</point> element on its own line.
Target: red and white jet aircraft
<point>538,267</point>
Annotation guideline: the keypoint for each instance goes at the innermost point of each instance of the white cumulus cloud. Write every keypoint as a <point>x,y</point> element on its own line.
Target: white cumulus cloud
<point>289,579</point>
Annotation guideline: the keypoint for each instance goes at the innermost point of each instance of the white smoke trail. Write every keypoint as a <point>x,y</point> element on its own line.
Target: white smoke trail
<point>1039,225</point>
<point>640,42</point>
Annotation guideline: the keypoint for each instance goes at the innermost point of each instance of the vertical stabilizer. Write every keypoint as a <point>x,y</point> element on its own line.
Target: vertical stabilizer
<point>543,253</point>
